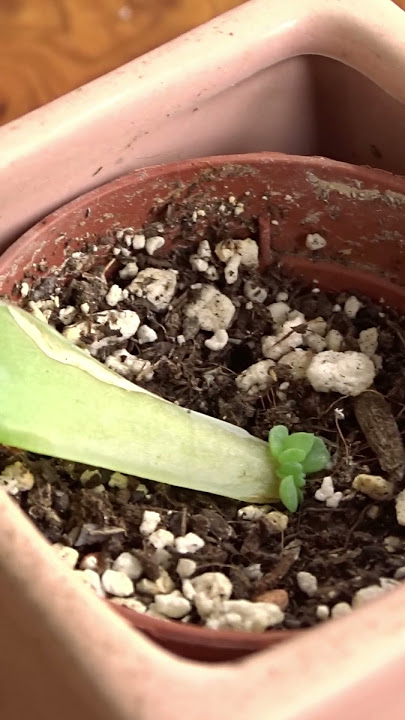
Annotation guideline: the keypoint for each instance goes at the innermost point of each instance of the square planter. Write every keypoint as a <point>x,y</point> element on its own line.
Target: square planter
<point>305,76</point>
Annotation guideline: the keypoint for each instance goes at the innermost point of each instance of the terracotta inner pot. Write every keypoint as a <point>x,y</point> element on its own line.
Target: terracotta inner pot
<point>359,211</point>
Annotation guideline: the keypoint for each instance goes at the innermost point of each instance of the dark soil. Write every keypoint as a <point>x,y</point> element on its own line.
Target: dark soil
<point>345,548</point>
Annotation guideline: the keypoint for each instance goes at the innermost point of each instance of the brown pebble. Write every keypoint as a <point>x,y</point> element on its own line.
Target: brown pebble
<point>278,597</point>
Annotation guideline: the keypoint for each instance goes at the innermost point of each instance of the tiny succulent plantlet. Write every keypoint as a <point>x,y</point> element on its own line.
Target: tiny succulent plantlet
<point>296,456</point>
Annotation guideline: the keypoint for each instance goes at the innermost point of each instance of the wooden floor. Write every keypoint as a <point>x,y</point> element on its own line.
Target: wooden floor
<point>48,47</point>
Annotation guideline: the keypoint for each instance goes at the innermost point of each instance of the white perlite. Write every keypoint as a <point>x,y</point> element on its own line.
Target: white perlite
<point>374,486</point>
<point>276,521</point>
<point>279,312</point>
<point>125,321</point>
<point>326,490</point>
<point>297,361</point>
<point>188,543</point>
<point>146,334</point>
<point>322,612</point>
<point>207,591</point>
<point>16,478</point>
<point>352,306</point>
<point>347,373</point>
<point>68,555</point>
<point>217,341</point>
<point>161,538</point>
<point>317,325</point>
<point>212,309</point>
<point>129,272</point>
<point>126,364</point>
<point>340,610</point>
<point>198,264</point>
<point>138,241</point>
<point>245,616</point>
<point>256,378</point>
<point>91,578</point>
<point>251,512</point>
<point>118,480</point>
<point>275,346</point>
<point>254,292</point>
<point>307,583</point>
<point>150,521</point>
<point>67,314</point>
<point>114,295</point>
<point>368,341</point>
<point>128,564</point>
<point>367,594</point>
<point>185,568</point>
<point>232,269</point>
<point>131,603</point>
<point>173,605</point>
<point>163,585</point>
<point>154,243</point>
<point>334,340</point>
<point>315,241</point>
<point>155,285</point>
<point>247,250</point>
<point>116,583</point>
<point>400,508</point>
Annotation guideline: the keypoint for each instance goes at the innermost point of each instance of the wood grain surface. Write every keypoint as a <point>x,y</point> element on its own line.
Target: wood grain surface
<point>48,47</point>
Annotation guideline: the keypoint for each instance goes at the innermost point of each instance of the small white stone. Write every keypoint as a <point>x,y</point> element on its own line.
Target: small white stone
<point>254,571</point>
<point>138,241</point>
<point>307,583</point>
<point>162,557</point>
<point>88,475</point>
<point>24,289</point>
<point>161,538</point>
<point>198,264</point>
<point>352,306</point>
<point>180,339</point>
<point>340,610</point>
<point>125,321</point>
<point>67,314</point>
<point>378,362</point>
<point>118,480</point>
<point>326,490</point>
<point>391,542</point>
<point>185,568</point>
<point>239,209</point>
<point>146,334</point>
<point>173,605</point>
<point>92,579</point>
<point>282,296</point>
<point>232,200</point>
<point>368,341</point>
<point>348,373</point>
<point>150,521</point>
<point>212,309</point>
<point>204,250</point>
<point>16,478</point>
<point>322,612</point>
<point>374,486</point>
<point>114,296</point>
<point>400,573</point>
<point>334,501</point>
<point>248,251</point>
<point>389,583</point>
<point>297,361</point>
<point>116,583</point>
<point>68,555</point>
<point>129,272</point>
<point>232,269</point>
<point>217,341</point>
<point>279,312</point>
<point>400,508</point>
<point>252,512</point>
<point>254,292</point>
<point>131,603</point>
<point>225,250</point>
<point>212,273</point>
<point>245,616</point>
<point>318,326</point>
<point>163,585</point>
<point>156,285</point>
<point>277,521</point>
<point>315,342</point>
<point>188,543</point>
<point>128,564</point>
<point>366,595</point>
<point>125,364</point>
<point>154,243</point>
<point>210,589</point>
<point>315,241</point>
<point>334,340</point>
<point>257,378</point>
<point>85,308</point>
